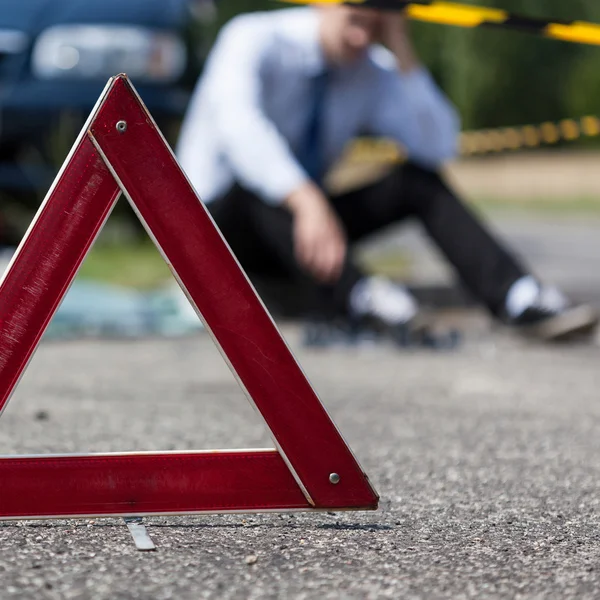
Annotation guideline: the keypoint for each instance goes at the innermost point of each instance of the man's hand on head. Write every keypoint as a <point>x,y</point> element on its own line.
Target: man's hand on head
<point>395,36</point>
<point>319,238</point>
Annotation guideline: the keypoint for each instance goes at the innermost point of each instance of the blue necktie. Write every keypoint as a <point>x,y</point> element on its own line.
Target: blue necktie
<point>311,155</point>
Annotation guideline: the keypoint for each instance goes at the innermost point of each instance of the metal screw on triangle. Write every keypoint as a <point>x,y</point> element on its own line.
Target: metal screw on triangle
<point>122,126</point>
<point>334,478</point>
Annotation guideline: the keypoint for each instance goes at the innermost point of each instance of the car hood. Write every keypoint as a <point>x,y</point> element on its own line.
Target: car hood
<point>32,16</point>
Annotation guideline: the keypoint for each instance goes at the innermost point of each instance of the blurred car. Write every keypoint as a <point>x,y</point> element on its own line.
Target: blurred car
<point>56,57</point>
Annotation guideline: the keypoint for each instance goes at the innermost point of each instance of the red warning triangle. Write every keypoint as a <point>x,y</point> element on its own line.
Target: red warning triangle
<point>120,149</point>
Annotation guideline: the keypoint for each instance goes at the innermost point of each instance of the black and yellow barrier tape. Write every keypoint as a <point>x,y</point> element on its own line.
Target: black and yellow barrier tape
<point>487,141</point>
<point>465,15</point>
<point>528,136</point>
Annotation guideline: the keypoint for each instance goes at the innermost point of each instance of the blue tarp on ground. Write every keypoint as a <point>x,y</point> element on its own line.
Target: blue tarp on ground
<point>92,309</point>
<point>100,310</point>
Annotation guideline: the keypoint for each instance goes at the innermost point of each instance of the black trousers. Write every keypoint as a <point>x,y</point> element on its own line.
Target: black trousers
<point>261,235</point>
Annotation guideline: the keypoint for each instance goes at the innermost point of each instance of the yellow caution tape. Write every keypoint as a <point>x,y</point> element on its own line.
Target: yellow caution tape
<point>578,32</point>
<point>528,136</point>
<point>486,141</point>
<point>455,14</point>
<point>464,15</point>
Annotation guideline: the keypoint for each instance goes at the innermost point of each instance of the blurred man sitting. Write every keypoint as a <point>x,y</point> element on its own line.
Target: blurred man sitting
<point>282,94</point>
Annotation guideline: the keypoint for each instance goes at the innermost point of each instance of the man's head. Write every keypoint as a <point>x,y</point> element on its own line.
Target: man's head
<point>348,31</point>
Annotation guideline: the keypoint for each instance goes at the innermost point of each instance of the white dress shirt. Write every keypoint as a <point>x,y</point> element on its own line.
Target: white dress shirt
<point>249,110</point>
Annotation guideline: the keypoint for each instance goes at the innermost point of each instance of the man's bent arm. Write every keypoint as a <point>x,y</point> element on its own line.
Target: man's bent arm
<point>259,155</point>
<point>411,108</point>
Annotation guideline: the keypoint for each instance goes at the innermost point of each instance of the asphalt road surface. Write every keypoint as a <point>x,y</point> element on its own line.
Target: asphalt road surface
<point>486,460</point>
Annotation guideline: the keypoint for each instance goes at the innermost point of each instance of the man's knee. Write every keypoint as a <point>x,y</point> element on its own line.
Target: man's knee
<point>428,186</point>
<point>432,176</point>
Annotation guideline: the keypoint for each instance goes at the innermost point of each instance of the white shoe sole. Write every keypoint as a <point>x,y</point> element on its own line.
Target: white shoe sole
<point>576,321</point>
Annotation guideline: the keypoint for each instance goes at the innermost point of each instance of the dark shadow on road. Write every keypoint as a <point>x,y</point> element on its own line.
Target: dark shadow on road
<point>150,525</point>
<point>355,526</point>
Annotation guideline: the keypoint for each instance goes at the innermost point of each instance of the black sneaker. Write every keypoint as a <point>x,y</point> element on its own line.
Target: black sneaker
<point>549,324</point>
<point>390,309</point>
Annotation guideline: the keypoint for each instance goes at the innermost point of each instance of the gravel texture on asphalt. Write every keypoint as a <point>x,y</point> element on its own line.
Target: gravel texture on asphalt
<point>486,460</point>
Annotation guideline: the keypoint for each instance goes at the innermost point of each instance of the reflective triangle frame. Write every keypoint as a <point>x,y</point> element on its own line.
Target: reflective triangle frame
<point>121,150</point>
